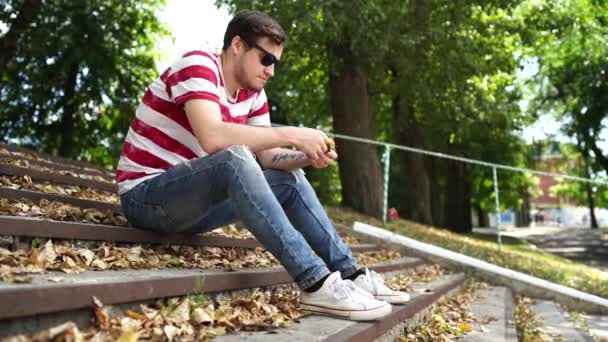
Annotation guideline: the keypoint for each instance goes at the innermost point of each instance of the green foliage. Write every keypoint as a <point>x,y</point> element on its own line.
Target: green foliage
<point>576,192</point>
<point>568,40</point>
<point>108,48</point>
<point>451,63</point>
<point>36,242</point>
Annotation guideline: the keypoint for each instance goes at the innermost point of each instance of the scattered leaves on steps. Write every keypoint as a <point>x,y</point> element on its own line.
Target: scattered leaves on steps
<point>192,318</point>
<point>199,318</point>
<point>529,328</point>
<point>24,163</point>
<point>60,212</point>
<point>31,156</point>
<point>26,183</point>
<point>67,258</point>
<point>232,231</point>
<point>449,320</point>
<point>375,257</point>
<point>349,239</point>
<point>404,281</point>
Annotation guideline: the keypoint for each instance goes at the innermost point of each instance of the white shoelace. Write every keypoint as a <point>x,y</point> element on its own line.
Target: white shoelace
<point>344,289</point>
<point>375,278</point>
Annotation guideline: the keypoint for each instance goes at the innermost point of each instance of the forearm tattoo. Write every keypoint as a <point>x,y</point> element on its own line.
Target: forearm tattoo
<point>278,157</point>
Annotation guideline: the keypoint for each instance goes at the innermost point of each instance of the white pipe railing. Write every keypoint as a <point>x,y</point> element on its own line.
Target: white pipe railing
<point>386,159</point>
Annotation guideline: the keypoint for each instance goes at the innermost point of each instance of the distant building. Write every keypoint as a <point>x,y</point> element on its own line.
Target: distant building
<point>547,209</point>
<point>553,164</point>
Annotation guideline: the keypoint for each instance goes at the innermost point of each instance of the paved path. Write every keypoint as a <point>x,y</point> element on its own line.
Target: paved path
<point>589,246</point>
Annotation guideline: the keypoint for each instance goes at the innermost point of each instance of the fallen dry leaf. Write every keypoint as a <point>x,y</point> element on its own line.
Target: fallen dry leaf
<point>181,313</point>
<point>170,331</point>
<point>97,302</point>
<point>127,336</point>
<point>488,319</point>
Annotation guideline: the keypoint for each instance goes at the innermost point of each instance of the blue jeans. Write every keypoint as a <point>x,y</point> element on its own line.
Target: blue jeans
<point>279,208</point>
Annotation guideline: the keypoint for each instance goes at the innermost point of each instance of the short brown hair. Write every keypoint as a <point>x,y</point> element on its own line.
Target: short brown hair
<point>253,25</point>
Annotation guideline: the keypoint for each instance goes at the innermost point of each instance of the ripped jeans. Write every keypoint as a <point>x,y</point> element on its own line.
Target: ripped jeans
<point>279,208</point>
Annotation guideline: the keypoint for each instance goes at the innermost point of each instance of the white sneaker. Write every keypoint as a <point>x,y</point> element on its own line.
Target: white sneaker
<point>341,298</point>
<point>373,283</point>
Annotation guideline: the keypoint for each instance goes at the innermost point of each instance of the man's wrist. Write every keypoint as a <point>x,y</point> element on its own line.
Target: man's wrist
<point>286,136</point>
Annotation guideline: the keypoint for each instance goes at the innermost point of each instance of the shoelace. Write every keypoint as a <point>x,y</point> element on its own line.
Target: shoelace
<point>359,290</point>
<point>375,278</point>
<point>344,289</point>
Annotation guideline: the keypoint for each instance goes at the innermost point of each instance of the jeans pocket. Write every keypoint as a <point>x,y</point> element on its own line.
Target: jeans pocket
<point>147,216</point>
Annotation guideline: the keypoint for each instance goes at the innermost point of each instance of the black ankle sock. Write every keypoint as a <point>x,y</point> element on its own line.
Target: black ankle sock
<point>354,276</point>
<point>317,285</point>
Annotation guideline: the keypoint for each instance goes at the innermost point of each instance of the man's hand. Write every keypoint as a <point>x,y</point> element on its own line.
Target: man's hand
<point>312,142</point>
<point>328,159</point>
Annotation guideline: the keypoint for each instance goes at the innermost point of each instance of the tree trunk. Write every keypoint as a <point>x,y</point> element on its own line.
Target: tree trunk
<point>589,190</point>
<point>360,172</point>
<point>415,182</point>
<point>599,155</point>
<point>9,43</point>
<point>482,216</point>
<point>524,213</point>
<point>69,112</point>
<point>591,205</point>
<point>458,198</point>
<point>414,179</point>
<point>432,166</point>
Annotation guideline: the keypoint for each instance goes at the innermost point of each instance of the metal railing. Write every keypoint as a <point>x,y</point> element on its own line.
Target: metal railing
<point>494,166</point>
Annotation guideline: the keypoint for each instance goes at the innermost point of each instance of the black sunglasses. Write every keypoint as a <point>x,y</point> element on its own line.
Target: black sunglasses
<point>268,59</point>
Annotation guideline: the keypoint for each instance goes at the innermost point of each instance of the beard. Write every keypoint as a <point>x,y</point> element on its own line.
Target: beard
<point>243,80</point>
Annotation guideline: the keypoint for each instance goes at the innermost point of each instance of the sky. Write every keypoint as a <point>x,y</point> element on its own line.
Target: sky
<point>194,24</point>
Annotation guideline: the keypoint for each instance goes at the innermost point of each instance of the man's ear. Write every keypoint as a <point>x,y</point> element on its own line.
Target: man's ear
<point>237,45</point>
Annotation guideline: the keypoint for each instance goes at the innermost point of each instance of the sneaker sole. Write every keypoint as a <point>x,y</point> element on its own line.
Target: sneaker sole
<point>392,299</point>
<point>360,315</point>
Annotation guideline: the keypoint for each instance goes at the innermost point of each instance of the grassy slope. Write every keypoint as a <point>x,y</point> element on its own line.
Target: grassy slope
<point>515,254</point>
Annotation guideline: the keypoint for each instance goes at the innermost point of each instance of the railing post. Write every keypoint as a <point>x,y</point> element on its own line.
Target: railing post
<point>386,158</point>
<point>497,208</point>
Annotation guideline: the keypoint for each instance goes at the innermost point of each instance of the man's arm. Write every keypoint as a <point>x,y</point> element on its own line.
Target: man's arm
<point>286,159</point>
<point>214,135</point>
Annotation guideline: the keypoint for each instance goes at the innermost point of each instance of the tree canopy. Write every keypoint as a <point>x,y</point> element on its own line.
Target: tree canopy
<point>437,75</point>
<point>73,75</point>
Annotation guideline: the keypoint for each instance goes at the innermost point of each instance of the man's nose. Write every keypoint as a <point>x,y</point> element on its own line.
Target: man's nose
<point>269,70</point>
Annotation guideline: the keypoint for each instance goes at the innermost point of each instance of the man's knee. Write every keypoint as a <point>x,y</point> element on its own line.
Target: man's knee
<point>241,152</point>
<point>280,177</point>
<point>298,175</point>
<point>241,156</point>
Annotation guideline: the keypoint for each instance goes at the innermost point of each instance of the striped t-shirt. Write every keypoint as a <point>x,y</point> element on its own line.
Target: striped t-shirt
<point>160,135</point>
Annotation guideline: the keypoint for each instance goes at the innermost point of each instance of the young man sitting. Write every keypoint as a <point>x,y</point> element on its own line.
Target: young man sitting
<point>201,154</point>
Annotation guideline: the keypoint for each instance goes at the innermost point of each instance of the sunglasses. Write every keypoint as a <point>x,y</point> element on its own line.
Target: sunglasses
<point>268,59</point>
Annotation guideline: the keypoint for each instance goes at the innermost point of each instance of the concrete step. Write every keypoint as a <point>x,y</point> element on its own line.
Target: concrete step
<point>493,310</point>
<point>27,308</point>
<point>597,325</point>
<point>324,328</point>
<point>557,323</point>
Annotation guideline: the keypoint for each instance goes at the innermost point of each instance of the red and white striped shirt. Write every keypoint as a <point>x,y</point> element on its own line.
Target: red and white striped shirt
<point>160,135</point>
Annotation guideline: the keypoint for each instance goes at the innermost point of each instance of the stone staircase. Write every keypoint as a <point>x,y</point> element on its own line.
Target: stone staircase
<point>72,204</point>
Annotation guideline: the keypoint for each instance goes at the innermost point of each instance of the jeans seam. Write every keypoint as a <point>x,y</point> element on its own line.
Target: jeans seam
<point>304,284</point>
<point>295,256</point>
<point>319,221</point>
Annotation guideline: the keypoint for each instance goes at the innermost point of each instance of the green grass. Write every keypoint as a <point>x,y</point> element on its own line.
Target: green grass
<point>516,254</point>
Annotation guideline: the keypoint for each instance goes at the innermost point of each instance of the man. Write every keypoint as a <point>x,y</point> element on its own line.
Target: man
<point>189,165</point>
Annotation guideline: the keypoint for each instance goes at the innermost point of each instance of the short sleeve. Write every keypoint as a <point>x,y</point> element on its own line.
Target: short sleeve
<point>194,76</point>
